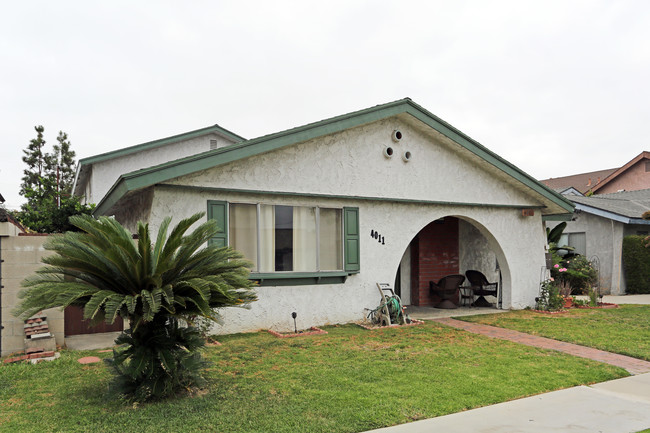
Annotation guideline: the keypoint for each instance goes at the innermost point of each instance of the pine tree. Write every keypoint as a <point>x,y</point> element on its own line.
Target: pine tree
<point>35,160</point>
<point>65,161</point>
<point>47,186</point>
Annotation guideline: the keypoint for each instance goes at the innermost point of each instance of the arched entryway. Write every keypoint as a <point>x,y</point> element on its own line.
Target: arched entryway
<point>446,246</point>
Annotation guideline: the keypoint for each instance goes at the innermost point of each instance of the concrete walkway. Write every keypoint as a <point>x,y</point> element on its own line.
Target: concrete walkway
<point>617,406</point>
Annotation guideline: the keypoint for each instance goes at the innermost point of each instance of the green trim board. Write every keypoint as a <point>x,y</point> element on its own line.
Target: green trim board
<point>298,278</point>
<point>347,197</point>
<point>183,166</point>
<point>560,217</point>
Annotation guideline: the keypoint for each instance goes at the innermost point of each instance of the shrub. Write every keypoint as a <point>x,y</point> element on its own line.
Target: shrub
<point>154,285</point>
<point>549,297</point>
<point>636,262</point>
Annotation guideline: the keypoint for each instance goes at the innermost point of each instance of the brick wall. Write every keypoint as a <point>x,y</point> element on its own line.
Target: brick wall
<point>434,254</point>
<point>22,256</point>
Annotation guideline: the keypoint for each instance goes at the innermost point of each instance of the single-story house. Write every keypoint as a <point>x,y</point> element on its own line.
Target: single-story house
<point>597,229</point>
<point>325,211</point>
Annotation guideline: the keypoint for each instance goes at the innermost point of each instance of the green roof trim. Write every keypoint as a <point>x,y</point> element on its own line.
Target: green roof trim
<point>160,173</point>
<point>214,189</point>
<point>161,142</point>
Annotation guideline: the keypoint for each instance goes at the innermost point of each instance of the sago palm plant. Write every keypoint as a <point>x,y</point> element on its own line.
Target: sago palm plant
<point>153,286</point>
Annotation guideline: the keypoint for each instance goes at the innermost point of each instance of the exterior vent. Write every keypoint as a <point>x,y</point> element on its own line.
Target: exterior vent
<point>213,144</point>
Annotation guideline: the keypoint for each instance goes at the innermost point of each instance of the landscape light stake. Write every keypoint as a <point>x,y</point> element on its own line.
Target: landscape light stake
<point>294,315</point>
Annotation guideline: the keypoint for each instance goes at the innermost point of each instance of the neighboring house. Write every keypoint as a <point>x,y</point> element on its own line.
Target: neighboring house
<point>597,229</point>
<point>583,182</point>
<point>325,211</point>
<point>632,176</point>
<point>619,197</point>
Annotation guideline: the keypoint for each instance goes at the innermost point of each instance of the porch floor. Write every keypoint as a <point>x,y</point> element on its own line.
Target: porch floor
<point>428,313</point>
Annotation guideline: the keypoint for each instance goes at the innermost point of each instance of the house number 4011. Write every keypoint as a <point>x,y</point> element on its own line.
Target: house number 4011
<point>375,235</point>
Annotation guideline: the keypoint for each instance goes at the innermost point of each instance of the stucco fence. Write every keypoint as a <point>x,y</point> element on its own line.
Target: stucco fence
<point>20,256</point>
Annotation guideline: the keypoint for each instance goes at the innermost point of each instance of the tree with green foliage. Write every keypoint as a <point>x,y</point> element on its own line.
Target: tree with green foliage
<point>47,186</point>
<point>155,286</point>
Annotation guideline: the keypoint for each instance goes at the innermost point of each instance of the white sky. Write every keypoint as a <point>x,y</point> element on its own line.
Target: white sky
<point>555,87</point>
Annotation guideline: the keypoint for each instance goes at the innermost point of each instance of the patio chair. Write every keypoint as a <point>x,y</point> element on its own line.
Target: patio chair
<point>447,289</point>
<point>482,288</point>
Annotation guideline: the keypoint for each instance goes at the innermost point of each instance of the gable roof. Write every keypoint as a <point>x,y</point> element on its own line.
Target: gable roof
<point>85,163</point>
<point>620,171</point>
<point>583,182</point>
<point>160,173</point>
<point>626,207</point>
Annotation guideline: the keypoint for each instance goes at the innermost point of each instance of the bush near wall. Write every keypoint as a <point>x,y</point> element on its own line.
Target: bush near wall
<point>636,262</point>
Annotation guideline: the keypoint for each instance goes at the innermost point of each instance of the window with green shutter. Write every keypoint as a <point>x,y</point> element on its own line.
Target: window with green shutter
<point>290,245</point>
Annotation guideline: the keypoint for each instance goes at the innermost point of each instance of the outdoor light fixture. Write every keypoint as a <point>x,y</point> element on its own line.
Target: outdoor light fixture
<point>295,327</point>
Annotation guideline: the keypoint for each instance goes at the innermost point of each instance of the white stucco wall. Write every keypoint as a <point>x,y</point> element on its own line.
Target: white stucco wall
<point>352,163</point>
<point>476,253</point>
<point>510,235</point>
<point>105,173</point>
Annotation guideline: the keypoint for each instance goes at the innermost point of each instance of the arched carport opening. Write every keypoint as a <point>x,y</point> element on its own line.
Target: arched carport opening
<point>446,246</point>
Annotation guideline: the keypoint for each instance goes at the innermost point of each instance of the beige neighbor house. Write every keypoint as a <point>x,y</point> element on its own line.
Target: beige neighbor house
<point>324,211</point>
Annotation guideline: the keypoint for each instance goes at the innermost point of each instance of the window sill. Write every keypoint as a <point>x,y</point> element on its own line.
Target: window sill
<point>299,278</point>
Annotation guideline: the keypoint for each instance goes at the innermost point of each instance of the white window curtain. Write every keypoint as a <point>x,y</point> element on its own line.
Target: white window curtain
<point>243,230</point>
<point>304,239</point>
<point>330,242</point>
<point>267,239</point>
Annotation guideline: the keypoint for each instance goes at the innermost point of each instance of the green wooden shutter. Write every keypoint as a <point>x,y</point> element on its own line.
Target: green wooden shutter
<point>351,239</point>
<point>218,210</point>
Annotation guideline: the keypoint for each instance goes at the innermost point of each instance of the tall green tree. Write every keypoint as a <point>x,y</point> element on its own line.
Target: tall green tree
<point>32,185</point>
<point>155,286</point>
<point>47,185</point>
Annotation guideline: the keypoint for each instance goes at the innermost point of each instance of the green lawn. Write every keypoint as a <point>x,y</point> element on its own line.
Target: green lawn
<point>624,330</point>
<point>347,381</point>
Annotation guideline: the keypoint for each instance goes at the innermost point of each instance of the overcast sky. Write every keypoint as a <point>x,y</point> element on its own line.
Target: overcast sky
<point>555,87</point>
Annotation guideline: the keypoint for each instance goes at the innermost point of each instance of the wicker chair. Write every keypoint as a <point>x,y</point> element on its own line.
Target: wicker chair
<point>482,287</point>
<point>448,289</point>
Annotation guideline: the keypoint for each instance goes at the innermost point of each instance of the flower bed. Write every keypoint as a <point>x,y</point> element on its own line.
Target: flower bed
<point>583,307</point>
<point>312,331</point>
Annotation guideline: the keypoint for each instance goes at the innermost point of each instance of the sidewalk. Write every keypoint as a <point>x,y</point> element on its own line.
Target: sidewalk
<point>617,406</point>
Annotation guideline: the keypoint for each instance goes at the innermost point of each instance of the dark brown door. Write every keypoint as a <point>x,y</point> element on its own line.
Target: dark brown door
<point>76,325</point>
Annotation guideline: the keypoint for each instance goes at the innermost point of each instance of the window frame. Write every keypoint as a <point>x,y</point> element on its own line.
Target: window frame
<point>350,248</point>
